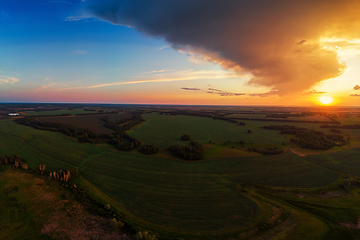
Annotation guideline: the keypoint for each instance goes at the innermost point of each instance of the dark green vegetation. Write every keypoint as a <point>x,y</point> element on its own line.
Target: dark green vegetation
<point>165,130</point>
<point>192,152</point>
<point>250,196</point>
<point>310,138</point>
<point>149,149</point>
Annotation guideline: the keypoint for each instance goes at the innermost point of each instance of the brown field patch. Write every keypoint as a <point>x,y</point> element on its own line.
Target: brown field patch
<point>92,122</point>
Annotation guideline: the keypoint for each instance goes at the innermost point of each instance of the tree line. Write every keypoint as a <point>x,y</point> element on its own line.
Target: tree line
<point>266,151</point>
<point>311,139</point>
<point>120,138</point>
<point>82,134</point>
<point>346,126</point>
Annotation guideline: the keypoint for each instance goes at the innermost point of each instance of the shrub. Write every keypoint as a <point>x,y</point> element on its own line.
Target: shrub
<point>185,138</point>
<point>149,149</point>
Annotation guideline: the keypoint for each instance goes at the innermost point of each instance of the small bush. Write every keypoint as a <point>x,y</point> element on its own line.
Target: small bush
<point>185,138</point>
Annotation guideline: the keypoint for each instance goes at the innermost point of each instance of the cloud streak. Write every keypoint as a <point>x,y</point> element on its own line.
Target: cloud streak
<point>215,91</point>
<point>10,80</point>
<point>191,89</point>
<point>278,41</point>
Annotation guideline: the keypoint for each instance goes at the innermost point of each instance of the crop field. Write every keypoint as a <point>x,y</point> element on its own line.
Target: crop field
<point>162,193</point>
<point>93,122</point>
<point>196,195</point>
<point>57,112</point>
<point>55,150</point>
<point>166,130</point>
<point>314,126</point>
<point>347,161</point>
<point>349,120</point>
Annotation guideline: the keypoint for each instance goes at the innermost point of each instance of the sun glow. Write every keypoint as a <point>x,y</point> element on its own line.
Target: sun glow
<point>326,100</point>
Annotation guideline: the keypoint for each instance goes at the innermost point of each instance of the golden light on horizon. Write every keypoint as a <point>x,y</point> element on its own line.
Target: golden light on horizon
<point>326,100</point>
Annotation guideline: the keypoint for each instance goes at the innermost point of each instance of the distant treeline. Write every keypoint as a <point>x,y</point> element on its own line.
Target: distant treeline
<point>267,151</point>
<point>193,152</point>
<point>310,138</point>
<point>83,134</point>
<point>57,115</point>
<point>120,138</point>
<point>282,120</point>
<point>97,113</point>
<point>347,126</point>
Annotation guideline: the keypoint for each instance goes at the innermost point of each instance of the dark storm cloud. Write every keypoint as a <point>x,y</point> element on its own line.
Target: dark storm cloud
<point>357,87</point>
<point>276,41</point>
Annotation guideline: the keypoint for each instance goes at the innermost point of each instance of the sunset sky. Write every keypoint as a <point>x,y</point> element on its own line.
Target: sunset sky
<point>234,52</point>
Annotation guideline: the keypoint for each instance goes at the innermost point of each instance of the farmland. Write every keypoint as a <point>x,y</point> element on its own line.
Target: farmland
<point>165,130</point>
<point>320,118</point>
<point>232,193</point>
<point>92,122</point>
<point>57,112</point>
<point>139,183</point>
<point>347,161</point>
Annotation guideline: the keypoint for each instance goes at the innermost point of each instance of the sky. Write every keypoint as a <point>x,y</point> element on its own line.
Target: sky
<point>203,52</point>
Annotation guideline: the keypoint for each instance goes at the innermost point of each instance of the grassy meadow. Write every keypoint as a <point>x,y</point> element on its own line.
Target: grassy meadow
<point>166,130</point>
<point>203,199</point>
<point>161,193</point>
<point>347,161</point>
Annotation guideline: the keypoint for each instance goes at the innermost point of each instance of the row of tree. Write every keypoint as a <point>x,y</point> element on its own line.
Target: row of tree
<point>149,149</point>
<point>266,151</point>
<point>120,138</point>
<point>346,126</point>
<point>310,138</point>
<point>83,134</point>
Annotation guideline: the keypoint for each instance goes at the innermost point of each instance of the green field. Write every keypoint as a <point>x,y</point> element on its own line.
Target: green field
<point>347,161</point>
<point>55,150</point>
<point>349,120</point>
<point>163,194</point>
<point>314,126</point>
<point>166,130</point>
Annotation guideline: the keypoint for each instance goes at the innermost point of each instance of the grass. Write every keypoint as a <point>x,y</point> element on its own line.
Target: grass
<point>163,194</point>
<point>20,216</point>
<point>32,207</point>
<point>349,120</point>
<point>347,161</point>
<point>314,126</point>
<point>197,196</point>
<point>166,130</point>
<point>55,150</point>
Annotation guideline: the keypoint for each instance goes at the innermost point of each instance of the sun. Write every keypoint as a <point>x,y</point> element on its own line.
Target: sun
<point>326,100</point>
